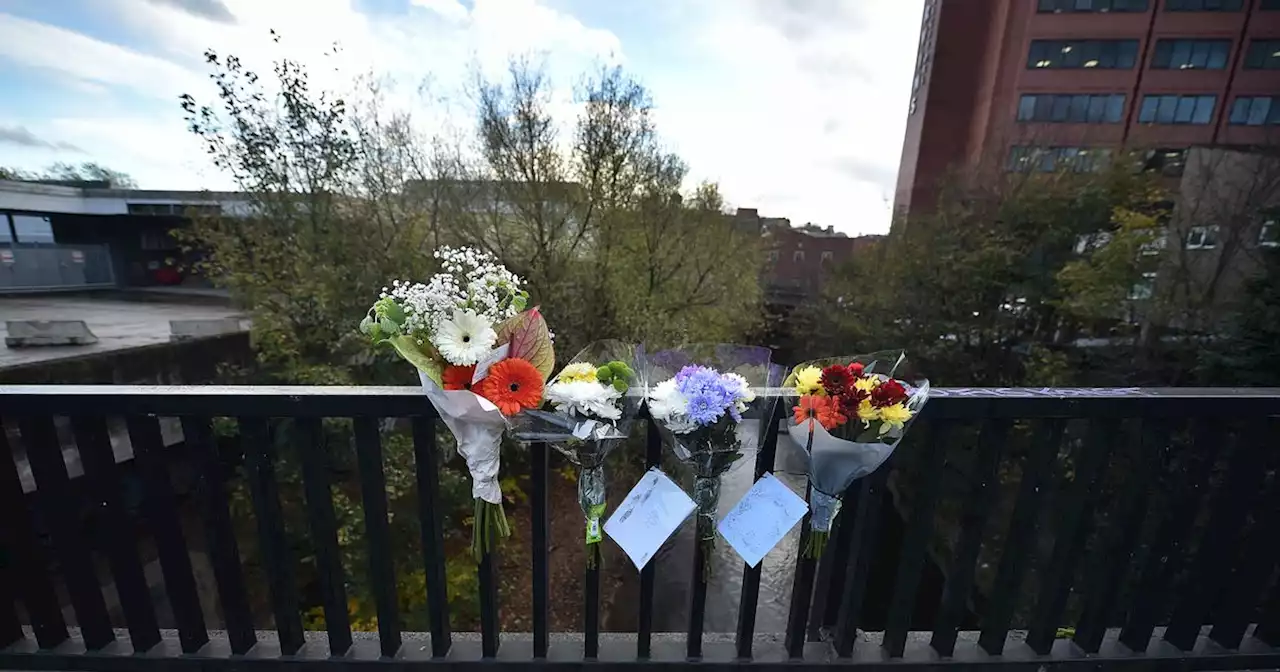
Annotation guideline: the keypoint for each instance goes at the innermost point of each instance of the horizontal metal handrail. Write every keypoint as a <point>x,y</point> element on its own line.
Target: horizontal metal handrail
<point>408,401</point>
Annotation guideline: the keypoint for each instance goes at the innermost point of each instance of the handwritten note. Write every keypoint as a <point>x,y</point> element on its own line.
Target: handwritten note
<point>762,518</point>
<point>650,513</point>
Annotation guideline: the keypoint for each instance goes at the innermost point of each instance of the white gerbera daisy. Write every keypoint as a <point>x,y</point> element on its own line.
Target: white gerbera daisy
<point>464,338</point>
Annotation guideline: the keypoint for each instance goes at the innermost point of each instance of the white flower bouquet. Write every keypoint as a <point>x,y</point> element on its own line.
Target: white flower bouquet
<point>701,407</point>
<point>479,357</point>
<point>591,405</point>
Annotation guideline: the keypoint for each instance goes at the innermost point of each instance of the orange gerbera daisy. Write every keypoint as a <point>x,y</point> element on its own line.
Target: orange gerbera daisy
<point>458,377</point>
<point>826,410</point>
<point>512,384</point>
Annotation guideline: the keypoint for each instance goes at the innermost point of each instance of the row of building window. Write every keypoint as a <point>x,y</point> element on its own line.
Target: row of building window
<point>1170,54</point>
<point>1196,110</point>
<point>1197,238</point>
<point>1142,5</point>
<point>1024,159</point>
<point>1072,108</point>
<point>797,256</point>
<point>1255,111</point>
<point>1068,54</point>
<point>26,229</point>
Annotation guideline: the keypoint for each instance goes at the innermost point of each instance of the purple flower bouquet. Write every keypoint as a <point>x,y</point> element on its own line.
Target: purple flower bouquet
<point>700,404</point>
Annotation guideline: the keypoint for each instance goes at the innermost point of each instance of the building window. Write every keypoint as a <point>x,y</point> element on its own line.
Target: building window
<point>1169,162</point>
<point>1177,110</point>
<point>1203,5</point>
<point>1202,237</point>
<point>1155,245</point>
<point>1052,159</point>
<point>1072,109</point>
<point>1091,242</point>
<point>1142,289</point>
<point>158,240</point>
<point>174,209</point>
<point>1191,54</point>
<point>1263,55</point>
<point>773,256</point>
<point>1052,54</point>
<point>1255,111</point>
<point>797,256</point>
<point>1092,5</point>
<point>827,258</point>
<point>1269,234</point>
<point>32,229</point>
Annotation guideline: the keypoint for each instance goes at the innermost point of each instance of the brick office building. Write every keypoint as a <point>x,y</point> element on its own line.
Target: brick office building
<point>1047,84</point>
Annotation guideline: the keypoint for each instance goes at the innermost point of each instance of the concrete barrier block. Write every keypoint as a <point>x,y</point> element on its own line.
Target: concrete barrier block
<point>35,333</point>
<point>184,330</point>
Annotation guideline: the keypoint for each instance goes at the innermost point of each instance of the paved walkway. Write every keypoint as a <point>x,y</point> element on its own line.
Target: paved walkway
<point>119,325</point>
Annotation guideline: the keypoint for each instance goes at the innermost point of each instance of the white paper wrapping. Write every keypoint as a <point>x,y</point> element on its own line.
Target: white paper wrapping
<point>477,425</point>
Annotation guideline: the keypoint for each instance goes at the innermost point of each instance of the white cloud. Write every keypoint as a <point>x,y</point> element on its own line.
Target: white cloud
<point>805,111</point>
<point>53,49</point>
<point>796,107</point>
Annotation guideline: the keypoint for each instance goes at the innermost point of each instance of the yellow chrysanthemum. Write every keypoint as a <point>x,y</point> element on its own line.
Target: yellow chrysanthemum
<point>893,417</point>
<point>867,384</point>
<point>581,372</point>
<point>809,381</point>
<point>867,412</point>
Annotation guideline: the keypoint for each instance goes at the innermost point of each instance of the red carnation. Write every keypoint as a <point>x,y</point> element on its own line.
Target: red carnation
<point>836,379</point>
<point>888,393</point>
<point>856,369</point>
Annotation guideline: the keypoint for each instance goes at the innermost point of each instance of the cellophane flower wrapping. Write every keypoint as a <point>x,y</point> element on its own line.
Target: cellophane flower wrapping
<point>590,408</point>
<point>699,396</point>
<point>481,358</point>
<point>849,415</point>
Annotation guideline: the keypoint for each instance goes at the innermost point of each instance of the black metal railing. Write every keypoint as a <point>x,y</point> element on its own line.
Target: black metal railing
<point>1182,574</point>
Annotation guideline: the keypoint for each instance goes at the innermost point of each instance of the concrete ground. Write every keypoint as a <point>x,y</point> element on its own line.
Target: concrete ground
<point>119,325</point>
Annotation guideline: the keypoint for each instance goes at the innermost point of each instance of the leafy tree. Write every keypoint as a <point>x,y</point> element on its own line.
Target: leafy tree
<point>88,171</point>
<point>972,288</point>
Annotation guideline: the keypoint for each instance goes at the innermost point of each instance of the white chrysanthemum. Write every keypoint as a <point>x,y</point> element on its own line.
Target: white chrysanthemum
<point>588,398</point>
<point>464,338</point>
<point>666,400</point>
<point>743,392</point>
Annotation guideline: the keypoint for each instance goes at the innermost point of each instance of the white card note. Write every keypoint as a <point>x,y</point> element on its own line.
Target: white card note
<point>762,518</point>
<point>651,512</point>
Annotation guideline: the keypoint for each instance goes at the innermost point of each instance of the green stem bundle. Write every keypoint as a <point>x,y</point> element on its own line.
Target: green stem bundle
<point>490,524</point>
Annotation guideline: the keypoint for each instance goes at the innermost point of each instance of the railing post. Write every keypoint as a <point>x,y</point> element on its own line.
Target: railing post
<point>319,504</point>
<point>382,569</point>
<point>428,480</point>
<point>652,458</point>
<point>28,574</point>
<point>915,541</point>
<point>541,578</point>
<point>750,593</point>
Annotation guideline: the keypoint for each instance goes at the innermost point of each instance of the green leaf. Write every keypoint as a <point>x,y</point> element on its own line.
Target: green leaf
<point>423,357</point>
<point>530,340</point>
<point>388,326</point>
<point>395,313</point>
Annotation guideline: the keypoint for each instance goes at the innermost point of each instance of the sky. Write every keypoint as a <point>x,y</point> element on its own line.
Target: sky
<point>795,107</point>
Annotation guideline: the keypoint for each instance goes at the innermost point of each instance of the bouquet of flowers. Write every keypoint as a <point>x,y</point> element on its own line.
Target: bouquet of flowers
<point>479,357</point>
<point>851,414</point>
<point>592,405</point>
<point>700,411</point>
